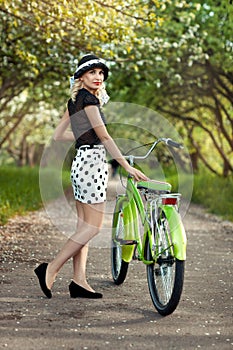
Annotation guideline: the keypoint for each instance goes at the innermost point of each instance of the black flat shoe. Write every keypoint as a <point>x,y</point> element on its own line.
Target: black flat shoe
<point>40,271</point>
<point>77,291</point>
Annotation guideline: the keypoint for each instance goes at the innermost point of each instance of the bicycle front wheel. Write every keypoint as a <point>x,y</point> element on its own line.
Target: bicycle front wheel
<point>119,266</point>
<point>166,276</point>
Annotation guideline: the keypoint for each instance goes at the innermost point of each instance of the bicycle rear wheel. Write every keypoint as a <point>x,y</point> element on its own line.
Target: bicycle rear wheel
<point>119,266</point>
<point>166,276</point>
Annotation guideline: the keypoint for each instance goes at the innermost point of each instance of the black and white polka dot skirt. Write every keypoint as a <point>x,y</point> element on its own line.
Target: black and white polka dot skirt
<point>89,175</point>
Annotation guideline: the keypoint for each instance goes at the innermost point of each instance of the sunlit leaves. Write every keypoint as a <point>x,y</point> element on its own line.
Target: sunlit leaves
<point>41,42</point>
<point>186,73</point>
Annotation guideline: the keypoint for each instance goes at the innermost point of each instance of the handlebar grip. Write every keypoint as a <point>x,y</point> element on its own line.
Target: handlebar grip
<point>172,143</point>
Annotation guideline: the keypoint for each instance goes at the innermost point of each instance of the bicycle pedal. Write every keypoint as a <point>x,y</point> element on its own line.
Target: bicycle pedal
<point>126,241</point>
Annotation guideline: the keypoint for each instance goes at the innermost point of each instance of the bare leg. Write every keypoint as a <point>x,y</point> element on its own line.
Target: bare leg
<point>92,221</point>
<point>69,249</point>
<point>80,259</point>
<point>79,265</point>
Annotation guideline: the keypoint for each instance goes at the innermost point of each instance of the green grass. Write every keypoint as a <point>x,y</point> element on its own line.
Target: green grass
<point>212,192</point>
<point>20,190</point>
<point>215,193</point>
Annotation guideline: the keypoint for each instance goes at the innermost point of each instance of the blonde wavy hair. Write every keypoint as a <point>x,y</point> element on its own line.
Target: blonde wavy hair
<point>101,93</point>
<point>75,88</point>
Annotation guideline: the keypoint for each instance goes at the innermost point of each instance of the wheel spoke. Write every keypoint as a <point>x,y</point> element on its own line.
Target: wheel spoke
<point>119,267</point>
<point>165,277</point>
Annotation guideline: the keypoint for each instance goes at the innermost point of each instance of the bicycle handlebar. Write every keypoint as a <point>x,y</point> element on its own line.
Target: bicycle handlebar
<point>167,141</point>
<point>172,143</point>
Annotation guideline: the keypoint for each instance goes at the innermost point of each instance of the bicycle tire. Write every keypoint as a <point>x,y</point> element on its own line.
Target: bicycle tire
<point>119,266</point>
<point>165,277</point>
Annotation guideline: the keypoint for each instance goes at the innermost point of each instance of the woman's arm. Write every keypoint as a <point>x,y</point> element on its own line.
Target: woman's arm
<point>60,133</point>
<point>102,133</point>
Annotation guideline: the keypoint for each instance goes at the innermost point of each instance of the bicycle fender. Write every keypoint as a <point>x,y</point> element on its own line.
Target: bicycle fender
<point>128,250</point>
<point>177,231</point>
<point>134,219</point>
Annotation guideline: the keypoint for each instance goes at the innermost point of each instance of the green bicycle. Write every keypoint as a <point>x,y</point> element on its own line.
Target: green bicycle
<point>147,227</point>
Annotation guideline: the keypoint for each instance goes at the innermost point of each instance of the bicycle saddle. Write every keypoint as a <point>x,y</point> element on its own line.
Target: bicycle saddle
<point>154,186</point>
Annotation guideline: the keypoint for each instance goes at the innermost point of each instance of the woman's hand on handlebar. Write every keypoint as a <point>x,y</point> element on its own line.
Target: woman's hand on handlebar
<point>137,174</point>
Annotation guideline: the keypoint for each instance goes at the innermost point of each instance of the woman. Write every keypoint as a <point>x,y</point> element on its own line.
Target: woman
<point>88,172</point>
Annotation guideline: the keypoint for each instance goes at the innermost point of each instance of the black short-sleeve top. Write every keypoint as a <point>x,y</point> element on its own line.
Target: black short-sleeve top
<point>83,132</point>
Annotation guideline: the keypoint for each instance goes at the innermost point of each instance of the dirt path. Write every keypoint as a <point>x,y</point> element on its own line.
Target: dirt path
<point>125,318</point>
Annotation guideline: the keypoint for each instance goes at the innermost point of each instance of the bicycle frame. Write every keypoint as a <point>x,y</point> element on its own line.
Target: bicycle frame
<point>147,227</point>
<point>133,206</point>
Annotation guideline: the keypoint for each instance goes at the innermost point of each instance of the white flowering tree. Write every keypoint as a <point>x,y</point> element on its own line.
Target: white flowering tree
<point>40,44</point>
<point>184,70</point>
<point>174,56</point>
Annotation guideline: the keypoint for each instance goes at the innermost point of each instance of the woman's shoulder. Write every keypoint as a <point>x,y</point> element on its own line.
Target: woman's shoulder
<point>87,97</point>
<point>83,99</point>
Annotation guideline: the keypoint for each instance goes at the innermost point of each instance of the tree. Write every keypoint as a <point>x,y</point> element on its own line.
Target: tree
<point>41,42</point>
<point>185,72</point>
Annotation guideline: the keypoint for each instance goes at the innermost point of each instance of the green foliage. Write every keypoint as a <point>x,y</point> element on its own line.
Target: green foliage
<point>173,56</point>
<point>214,193</point>
<point>41,43</point>
<point>184,71</point>
<point>20,190</point>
